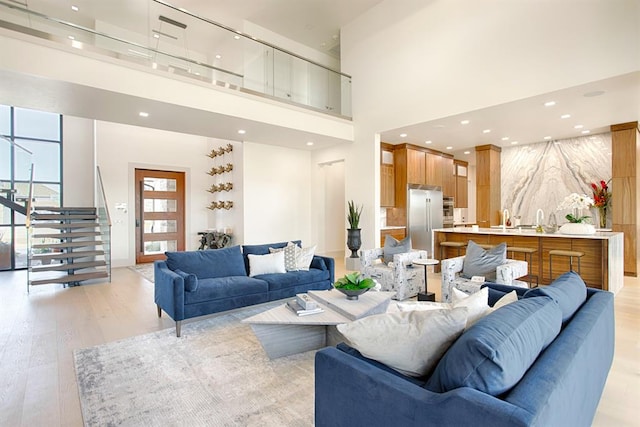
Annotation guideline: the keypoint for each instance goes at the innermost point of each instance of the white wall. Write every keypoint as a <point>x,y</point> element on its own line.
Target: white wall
<point>121,149</point>
<point>78,162</point>
<point>333,214</point>
<point>277,194</point>
<point>414,61</point>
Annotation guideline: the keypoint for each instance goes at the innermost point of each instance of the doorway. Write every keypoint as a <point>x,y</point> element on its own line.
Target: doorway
<point>160,220</point>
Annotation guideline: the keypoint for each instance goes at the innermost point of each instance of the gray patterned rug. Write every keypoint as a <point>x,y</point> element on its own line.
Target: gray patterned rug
<point>145,270</point>
<point>216,374</point>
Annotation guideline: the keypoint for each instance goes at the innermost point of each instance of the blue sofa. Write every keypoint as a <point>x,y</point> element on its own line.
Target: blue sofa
<point>562,386</point>
<point>196,283</point>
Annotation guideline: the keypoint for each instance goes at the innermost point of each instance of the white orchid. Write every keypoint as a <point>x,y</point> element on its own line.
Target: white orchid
<point>575,201</point>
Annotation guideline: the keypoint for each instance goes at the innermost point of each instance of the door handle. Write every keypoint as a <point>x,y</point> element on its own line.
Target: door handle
<point>137,223</point>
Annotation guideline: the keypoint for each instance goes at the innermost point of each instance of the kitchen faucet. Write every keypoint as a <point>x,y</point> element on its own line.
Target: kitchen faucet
<point>505,216</point>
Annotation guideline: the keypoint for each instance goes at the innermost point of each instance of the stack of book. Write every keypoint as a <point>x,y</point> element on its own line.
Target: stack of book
<point>303,305</point>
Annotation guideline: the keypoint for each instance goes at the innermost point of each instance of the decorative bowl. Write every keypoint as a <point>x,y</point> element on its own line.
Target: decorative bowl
<point>353,294</point>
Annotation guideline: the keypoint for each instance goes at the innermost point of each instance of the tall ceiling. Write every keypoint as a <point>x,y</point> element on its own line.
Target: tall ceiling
<point>316,23</point>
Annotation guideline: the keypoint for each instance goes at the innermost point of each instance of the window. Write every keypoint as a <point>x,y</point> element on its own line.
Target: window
<point>28,137</point>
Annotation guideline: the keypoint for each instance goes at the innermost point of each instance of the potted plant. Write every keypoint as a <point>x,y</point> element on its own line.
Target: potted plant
<point>354,285</point>
<point>353,232</point>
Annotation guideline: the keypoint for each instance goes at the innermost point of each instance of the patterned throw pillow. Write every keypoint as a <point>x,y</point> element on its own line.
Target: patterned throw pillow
<point>290,256</point>
<point>305,256</point>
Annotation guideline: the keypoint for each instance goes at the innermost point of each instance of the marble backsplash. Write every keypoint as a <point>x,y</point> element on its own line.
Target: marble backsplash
<point>541,175</point>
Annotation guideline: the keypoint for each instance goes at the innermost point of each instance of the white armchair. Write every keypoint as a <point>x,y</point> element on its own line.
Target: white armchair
<point>506,274</point>
<point>405,281</point>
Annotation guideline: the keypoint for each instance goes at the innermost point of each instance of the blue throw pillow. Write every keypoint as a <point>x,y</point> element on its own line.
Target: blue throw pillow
<point>481,262</point>
<point>190,280</point>
<point>496,352</point>
<point>210,263</point>
<point>568,290</point>
<point>394,246</point>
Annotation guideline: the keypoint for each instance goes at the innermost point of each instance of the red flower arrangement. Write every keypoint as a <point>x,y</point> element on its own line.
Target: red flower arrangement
<point>602,195</point>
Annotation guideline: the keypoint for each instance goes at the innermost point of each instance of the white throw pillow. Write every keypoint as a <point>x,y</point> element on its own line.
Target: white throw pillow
<point>266,264</point>
<point>504,300</point>
<point>305,256</point>
<point>411,342</point>
<point>477,303</point>
<point>422,305</point>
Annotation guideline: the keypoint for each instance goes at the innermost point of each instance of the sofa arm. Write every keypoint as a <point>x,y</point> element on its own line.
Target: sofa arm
<point>450,268</point>
<point>329,263</point>
<point>380,398</point>
<point>507,273</point>
<point>168,290</point>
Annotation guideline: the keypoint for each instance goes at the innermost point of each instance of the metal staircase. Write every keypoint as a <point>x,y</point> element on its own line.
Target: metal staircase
<point>66,246</point>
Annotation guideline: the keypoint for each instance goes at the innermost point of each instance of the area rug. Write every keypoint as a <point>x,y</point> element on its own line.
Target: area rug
<point>216,374</point>
<point>145,270</point>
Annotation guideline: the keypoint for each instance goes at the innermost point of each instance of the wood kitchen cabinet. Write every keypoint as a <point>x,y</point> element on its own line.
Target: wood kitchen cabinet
<point>387,177</point>
<point>416,166</point>
<point>397,233</point>
<point>461,199</point>
<point>433,173</point>
<point>448,177</point>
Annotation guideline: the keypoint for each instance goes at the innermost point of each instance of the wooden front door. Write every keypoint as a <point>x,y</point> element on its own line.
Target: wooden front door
<point>159,214</point>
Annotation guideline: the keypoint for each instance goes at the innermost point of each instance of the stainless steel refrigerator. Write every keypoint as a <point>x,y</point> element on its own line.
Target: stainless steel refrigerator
<point>425,214</point>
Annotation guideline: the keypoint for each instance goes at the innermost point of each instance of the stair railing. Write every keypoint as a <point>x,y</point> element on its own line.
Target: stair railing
<point>104,220</point>
<point>29,208</point>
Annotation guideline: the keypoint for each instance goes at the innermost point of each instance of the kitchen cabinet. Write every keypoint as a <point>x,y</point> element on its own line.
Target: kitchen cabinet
<point>397,233</point>
<point>461,199</point>
<point>433,173</point>
<point>415,166</point>
<point>387,178</point>
<point>448,177</point>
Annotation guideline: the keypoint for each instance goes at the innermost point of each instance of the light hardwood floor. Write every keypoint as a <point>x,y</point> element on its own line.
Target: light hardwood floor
<point>40,330</point>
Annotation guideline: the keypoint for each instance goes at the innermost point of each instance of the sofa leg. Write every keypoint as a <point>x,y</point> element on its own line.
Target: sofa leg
<point>159,310</point>
<point>178,325</point>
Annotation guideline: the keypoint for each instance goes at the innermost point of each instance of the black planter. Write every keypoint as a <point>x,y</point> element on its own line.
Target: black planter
<point>353,241</point>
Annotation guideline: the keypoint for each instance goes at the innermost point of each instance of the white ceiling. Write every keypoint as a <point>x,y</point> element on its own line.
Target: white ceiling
<point>594,106</point>
<point>316,23</point>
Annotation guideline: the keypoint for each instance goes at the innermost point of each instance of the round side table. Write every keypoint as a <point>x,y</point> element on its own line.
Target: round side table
<point>426,295</point>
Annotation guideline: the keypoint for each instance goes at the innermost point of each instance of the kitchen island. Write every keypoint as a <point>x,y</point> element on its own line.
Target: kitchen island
<point>602,265</point>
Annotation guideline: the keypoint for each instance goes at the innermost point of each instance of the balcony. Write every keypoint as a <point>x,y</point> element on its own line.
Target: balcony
<point>162,37</point>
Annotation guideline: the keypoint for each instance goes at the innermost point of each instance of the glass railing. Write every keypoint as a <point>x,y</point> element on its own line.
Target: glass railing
<point>104,220</point>
<point>158,35</point>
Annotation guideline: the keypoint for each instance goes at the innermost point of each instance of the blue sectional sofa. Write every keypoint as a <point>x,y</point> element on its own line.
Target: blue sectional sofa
<point>561,387</point>
<point>195,283</point>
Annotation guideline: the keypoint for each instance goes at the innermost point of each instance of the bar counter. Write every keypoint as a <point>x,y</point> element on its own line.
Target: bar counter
<point>602,265</point>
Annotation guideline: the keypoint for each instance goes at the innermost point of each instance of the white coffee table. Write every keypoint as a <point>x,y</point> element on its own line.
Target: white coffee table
<point>282,333</point>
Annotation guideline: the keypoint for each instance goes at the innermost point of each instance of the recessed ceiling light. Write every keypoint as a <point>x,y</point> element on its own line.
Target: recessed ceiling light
<point>578,127</point>
<point>467,152</point>
<point>71,38</point>
<point>218,56</point>
<point>156,36</point>
<point>464,122</point>
<point>594,93</point>
<point>242,131</point>
<point>586,131</point>
<point>428,142</point>
<point>505,138</point>
<point>550,103</point>
<point>143,114</point>
<point>310,143</point>
<point>236,37</point>
<point>514,142</point>
<point>565,116</point>
<point>74,8</point>
<point>403,135</point>
<point>547,138</point>
<point>486,131</point>
<point>449,148</point>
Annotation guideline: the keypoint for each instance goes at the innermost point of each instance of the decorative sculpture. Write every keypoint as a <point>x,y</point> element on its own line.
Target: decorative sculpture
<point>227,186</point>
<point>221,169</point>
<point>223,150</point>
<point>227,204</point>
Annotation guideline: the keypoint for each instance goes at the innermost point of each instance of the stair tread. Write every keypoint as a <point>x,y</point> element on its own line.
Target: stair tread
<point>60,217</point>
<point>63,235</point>
<point>67,244</point>
<point>70,225</point>
<point>68,266</point>
<point>63,255</point>
<point>65,208</point>
<point>68,278</point>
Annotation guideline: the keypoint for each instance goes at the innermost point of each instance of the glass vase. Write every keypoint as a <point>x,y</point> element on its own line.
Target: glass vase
<point>602,216</point>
